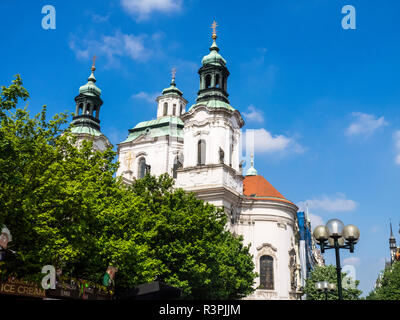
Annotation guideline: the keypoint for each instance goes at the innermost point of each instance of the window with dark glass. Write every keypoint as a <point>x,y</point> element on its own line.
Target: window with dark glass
<point>208,81</point>
<point>267,273</point>
<point>165,109</point>
<point>217,81</point>
<point>142,168</point>
<point>201,152</point>
<point>174,110</point>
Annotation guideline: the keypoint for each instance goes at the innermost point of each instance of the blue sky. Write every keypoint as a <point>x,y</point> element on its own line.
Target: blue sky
<point>325,100</point>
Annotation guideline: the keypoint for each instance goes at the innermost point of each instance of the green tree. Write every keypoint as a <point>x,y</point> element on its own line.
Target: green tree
<point>388,284</point>
<point>53,195</point>
<point>65,207</point>
<point>328,273</point>
<point>188,236</point>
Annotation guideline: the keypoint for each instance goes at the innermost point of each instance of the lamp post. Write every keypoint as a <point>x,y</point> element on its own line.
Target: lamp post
<point>334,235</point>
<point>5,238</point>
<point>324,286</point>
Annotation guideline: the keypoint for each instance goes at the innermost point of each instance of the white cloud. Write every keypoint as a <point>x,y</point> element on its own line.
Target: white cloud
<point>149,97</point>
<point>375,229</point>
<point>264,142</point>
<point>352,260</point>
<point>141,9</point>
<point>334,203</point>
<point>365,124</point>
<point>112,47</point>
<point>315,220</point>
<point>253,114</point>
<point>97,18</point>
<point>397,143</point>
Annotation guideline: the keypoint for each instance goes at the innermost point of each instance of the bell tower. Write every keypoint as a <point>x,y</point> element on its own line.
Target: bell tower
<point>171,102</point>
<point>211,166</point>
<point>392,245</point>
<point>86,121</point>
<point>213,74</point>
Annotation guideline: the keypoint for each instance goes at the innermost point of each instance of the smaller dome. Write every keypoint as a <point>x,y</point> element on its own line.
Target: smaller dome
<point>172,89</point>
<point>90,88</point>
<point>251,172</point>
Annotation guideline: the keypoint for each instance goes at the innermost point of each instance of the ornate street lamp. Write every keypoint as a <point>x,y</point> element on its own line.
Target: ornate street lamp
<point>334,235</point>
<point>325,286</point>
<point>5,238</point>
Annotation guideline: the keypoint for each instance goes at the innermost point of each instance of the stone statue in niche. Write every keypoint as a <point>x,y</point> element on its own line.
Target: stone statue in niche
<point>241,166</point>
<point>221,155</point>
<point>292,267</point>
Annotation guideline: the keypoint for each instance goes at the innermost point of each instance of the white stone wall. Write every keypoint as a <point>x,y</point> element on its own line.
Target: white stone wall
<point>100,143</point>
<point>171,100</point>
<point>159,153</point>
<point>210,177</point>
<point>269,227</point>
<point>217,129</point>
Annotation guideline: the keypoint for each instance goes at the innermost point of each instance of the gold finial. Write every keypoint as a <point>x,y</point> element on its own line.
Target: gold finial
<point>214,27</point>
<point>173,72</point>
<point>94,63</point>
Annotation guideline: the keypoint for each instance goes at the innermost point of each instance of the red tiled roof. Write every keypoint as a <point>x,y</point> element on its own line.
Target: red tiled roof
<point>259,187</point>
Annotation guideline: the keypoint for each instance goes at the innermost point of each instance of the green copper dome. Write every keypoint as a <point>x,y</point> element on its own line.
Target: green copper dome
<point>172,89</point>
<point>251,171</point>
<point>214,58</point>
<point>90,89</point>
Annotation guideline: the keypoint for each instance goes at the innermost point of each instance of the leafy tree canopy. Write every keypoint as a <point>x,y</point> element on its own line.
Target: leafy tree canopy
<point>328,273</point>
<point>64,206</point>
<point>388,284</point>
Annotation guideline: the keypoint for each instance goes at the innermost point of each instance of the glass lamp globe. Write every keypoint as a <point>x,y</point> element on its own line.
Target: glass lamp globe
<point>335,227</point>
<point>321,233</point>
<point>331,241</point>
<point>351,233</point>
<point>332,287</point>
<point>318,286</point>
<point>325,284</point>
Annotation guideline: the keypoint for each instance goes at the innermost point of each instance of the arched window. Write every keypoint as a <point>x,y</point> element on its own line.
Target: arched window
<point>80,109</point>
<point>88,108</point>
<point>217,81</point>
<point>174,110</point>
<point>201,153</point>
<point>181,109</point>
<point>141,168</point>
<point>165,109</point>
<point>208,81</point>
<point>267,273</point>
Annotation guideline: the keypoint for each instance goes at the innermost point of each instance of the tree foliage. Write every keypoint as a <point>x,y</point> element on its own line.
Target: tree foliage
<point>388,284</point>
<point>328,273</point>
<point>188,237</point>
<point>64,206</point>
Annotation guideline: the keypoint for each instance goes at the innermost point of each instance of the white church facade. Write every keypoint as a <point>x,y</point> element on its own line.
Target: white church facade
<point>199,146</point>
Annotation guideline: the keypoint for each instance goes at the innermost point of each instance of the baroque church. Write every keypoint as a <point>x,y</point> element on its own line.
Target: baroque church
<point>199,146</point>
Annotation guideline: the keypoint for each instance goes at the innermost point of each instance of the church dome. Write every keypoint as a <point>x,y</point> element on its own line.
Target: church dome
<point>172,89</point>
<point>214,58</point>
<point>257,187</point>
<point>90,88</point>
<point>251,172</point>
